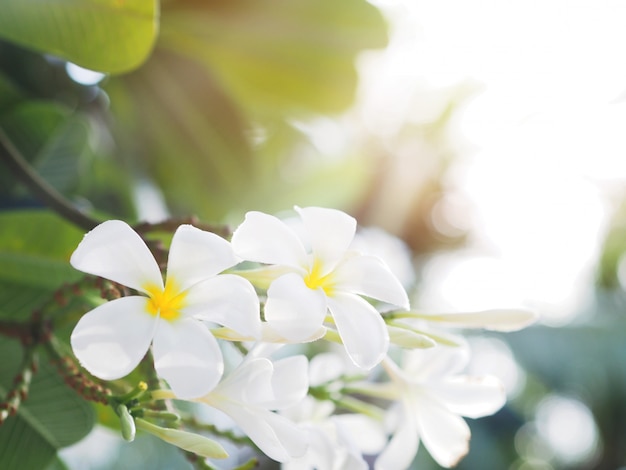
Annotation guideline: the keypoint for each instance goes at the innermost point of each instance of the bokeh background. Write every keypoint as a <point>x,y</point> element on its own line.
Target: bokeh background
<point>488,135</point>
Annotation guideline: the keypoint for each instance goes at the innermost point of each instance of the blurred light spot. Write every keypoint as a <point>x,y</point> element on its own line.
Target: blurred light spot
<point>83,76</point>
<point>532,464</point>
<point>450,216</point>
<point>98,449</point>
<point>149,202</point>
<point>530,447</point>
<point>327,135</point>
<point>491,356</point>
<point>464,281</point>
<point>568,427</point>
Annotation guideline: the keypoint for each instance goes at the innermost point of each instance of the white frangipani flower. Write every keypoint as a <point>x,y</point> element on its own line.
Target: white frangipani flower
<point>255,388</point>
<point>307,283</point>
<point>391,249</point>
<point>336,441</point>
<point>431,399</point>
<point>110,340</point>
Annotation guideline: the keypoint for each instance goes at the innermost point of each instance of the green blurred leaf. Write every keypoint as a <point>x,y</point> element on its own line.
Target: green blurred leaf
<point>280,55</point>
<point>9,92</point>
<point>53,140</point>
<point>188,133</point>
<point>52,416</point>
<point>223,70</point>
<point>613,250</point>
<point>35,247</point>
<point>106,35</point>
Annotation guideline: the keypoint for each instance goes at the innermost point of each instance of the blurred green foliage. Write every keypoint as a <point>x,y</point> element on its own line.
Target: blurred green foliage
<point>199,100</point>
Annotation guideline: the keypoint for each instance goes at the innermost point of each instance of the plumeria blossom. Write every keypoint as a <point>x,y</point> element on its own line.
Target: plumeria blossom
<point>316,273</point>
<point>336,441</point>
<point>111,339</point>
<point>391,249</point>
<point>251,393</point>
<point>431,397</point>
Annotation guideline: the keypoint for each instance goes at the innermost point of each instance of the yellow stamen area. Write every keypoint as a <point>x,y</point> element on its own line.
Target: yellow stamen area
<point>166,302</point>
<point>315,280</point>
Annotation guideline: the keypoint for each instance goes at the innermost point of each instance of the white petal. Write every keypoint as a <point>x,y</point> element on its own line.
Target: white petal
<point>325,367</point>
<point>370,276</point>
<point>187,355</point>
<point>409,339</point>
<point>116,252</point>
<point>445,434</point>
<point>266,239</point>
<point>363,431</point>
<point>402,447</point>
<point>497,320</point>
<point>228,300</point>
<point>276,436</point>
<point>110,340</point>
<point>362,329</point>
<point>330,231</point>
<point>257,389</point>
<point>250,382</point>
<point>290,381</point>
<point>292,309</point>
<point>196,255</point>
<point>428,364</point>
<point>319,455</point>
<point>473,397</point>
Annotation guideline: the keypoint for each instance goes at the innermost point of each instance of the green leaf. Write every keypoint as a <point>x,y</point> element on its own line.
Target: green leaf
<point>35,247</point>
<point>279,55</point>
<point>52,416</point>
<point>106,35</point>
<point>195,443</point>
<point>227,75</point>
<point>52,138</point>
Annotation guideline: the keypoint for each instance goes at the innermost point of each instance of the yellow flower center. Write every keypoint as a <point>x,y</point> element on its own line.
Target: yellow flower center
<point>315,280</point>
<point>165,302</point>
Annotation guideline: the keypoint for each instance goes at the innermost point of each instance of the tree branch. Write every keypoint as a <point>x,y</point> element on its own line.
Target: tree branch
<point>40,188</point>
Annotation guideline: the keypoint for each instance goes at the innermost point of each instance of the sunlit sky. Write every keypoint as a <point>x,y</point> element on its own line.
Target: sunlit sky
<point>544,148</point>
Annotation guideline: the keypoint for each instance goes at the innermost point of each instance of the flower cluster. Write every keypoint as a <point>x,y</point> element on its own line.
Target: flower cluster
<point>279,282</point>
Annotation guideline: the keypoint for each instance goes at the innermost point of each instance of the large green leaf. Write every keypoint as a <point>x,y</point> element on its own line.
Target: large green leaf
<point>226,74</point>
<point>106,35</point>
<point>279,55</point>
<point>35,247</point>
<point>53,415</point>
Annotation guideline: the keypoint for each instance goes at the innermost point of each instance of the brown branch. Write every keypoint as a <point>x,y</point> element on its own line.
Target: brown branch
<point>40,188</point>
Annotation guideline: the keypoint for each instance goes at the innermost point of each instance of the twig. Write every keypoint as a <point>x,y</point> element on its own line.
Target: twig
<point>12,157</point>
<point>21,385</point>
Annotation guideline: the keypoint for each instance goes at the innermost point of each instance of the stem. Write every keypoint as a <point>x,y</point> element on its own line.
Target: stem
<point>21,385</point>
<point>193,423</point>
<point>40,187</point>
<point>170,225</point>
<point>359,406</point>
